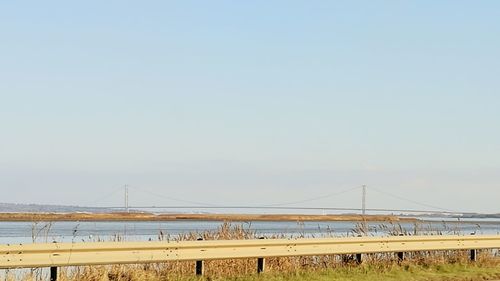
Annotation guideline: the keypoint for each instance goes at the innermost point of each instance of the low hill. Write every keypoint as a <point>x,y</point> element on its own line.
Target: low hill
<point>39,208</point>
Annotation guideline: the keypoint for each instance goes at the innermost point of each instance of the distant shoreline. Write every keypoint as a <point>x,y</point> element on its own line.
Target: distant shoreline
<point>26,217</point>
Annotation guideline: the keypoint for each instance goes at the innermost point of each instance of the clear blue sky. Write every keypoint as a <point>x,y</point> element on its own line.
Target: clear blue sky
<point>251,102</point>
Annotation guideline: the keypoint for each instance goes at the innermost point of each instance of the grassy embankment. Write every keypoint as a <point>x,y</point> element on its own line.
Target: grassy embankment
<point>441,272</point>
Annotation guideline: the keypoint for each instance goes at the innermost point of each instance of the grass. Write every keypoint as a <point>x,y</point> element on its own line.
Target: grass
<point>408,272</point>
<point>454,272</point>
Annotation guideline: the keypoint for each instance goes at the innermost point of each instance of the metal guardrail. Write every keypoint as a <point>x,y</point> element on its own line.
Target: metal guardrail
<point>74,254</point>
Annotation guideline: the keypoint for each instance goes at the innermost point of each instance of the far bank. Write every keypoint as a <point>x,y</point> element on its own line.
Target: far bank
<point>142,216</point>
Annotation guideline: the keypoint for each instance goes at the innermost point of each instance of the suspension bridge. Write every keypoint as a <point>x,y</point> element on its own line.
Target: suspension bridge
<point>297,205</point>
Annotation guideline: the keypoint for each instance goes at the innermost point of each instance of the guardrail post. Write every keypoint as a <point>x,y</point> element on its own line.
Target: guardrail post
<point>53,273</point>
<point>473,252</point>
<point>359,258</point>
<point>261,263</point>
<point>400,255</point>
<point>473,255</point>
<point>199,264</point>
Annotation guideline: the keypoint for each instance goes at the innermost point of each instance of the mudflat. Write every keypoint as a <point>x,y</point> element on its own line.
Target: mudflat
<point>143,216</point>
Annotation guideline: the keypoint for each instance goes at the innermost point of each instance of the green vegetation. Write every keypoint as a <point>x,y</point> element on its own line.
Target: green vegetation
<point>455,272</point>
<point>407,272</point>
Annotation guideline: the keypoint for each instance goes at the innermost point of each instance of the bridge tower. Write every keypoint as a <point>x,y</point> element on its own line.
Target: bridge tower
<point>126,198</point>
<point>363,201</point>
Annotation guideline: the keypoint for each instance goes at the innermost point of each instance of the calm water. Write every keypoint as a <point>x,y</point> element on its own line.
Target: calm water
<point>21,232</point>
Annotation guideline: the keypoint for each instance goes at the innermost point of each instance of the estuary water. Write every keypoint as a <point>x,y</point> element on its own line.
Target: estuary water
<point>27,232</point>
